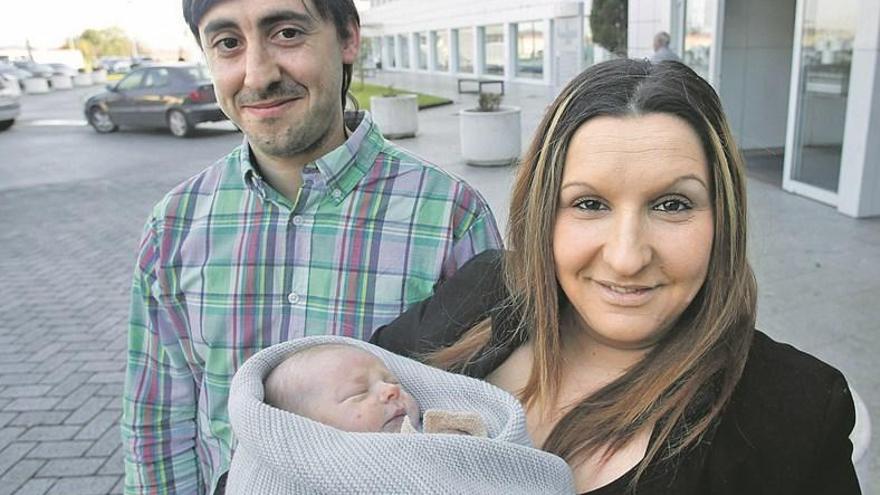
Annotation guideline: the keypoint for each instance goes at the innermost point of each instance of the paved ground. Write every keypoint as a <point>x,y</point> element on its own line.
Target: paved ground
<point>72,204</point>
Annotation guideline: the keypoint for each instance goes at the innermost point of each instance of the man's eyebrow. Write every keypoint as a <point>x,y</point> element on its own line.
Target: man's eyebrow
<point>277,16</point>
<point>264,23</point>
<point>219,25</point>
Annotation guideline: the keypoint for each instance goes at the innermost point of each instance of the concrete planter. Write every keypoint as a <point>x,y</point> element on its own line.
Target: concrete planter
<point>490,138</point>
<point>82,79</point>
<point>397,116</point>
<point>99,76</point>
<point>61,82</point>
<point>36,85</point>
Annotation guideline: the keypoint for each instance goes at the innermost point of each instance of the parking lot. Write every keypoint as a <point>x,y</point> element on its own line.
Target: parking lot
<point>73,203</point>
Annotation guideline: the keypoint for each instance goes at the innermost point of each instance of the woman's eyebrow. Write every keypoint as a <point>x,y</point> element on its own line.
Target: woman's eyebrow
<point>689,177</point>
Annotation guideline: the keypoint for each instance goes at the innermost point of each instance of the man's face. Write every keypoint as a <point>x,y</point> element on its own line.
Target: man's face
<point>277,71</point>
<point>352,390</point>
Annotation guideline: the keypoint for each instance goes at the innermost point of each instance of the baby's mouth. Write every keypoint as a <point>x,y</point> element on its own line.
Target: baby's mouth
<point>393,424</point>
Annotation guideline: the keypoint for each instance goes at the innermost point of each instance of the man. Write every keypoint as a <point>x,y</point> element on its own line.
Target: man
<point>307,228</point>
<point>661,48</point>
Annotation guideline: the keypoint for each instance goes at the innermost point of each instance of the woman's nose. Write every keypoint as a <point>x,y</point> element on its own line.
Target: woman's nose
<point>627,250</point>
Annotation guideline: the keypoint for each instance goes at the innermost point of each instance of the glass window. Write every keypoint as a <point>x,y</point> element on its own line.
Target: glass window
<point>493,49</point>
<point>829,31</point>
<point>403,40</point>
<point>589,46</point>
<point>699,35</point>
<point>422,43</point>
<point>156,78</point>
<point>391,51</point>
<point>530,49</point>
<point>441,50</point>
<point>131,81</point>
<point>465,49</point>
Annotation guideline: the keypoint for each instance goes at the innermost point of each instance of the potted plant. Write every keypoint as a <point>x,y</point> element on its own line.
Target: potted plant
<point>396,113</point>
<point>491,133</point>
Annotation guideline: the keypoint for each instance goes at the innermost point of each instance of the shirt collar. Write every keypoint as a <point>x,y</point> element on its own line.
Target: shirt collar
<point>341,168</point>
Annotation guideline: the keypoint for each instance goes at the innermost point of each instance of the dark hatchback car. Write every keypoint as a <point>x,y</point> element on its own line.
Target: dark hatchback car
<point>174,96</point>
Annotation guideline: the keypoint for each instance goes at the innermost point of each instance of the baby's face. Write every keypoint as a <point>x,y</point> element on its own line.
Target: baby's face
<point>354,391</point>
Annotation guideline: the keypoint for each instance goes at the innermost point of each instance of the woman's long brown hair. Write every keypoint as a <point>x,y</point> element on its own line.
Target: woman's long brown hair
<point>703,355</point>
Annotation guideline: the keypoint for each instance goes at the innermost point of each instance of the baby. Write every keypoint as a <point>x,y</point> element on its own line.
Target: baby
<point>343,387</point>
<point>310,416</point>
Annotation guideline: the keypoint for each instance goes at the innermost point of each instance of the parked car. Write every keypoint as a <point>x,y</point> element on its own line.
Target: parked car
<point>12,71</point>
<point>63,70</point>
<point>10,105</point>
<point>115,65</point>
<point>38,70</point>
<point>174,96</point>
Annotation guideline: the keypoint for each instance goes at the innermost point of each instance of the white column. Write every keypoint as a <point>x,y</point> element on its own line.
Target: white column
<point>549,51</point>
<point>858,192</point>
<point>479,50</point>
<point>510,38</point>
<point>432,51</point>
<point>453,51</point>
<point>413,51</point>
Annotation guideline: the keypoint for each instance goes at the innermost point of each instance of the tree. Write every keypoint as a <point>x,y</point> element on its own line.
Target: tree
<point>96,43</point>
<point>608,19</point>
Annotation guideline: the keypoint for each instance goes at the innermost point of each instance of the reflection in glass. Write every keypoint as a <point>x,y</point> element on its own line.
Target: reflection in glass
<point>826,56</point>
<point>422,43</point>
<point>699,35</point>
<point>391,51</point>
<point>441,50</point>
<point>593,52</point>
<point>403,40</point>
<point>530,49</point>
<point>493,49</point>
<point>465,49</point>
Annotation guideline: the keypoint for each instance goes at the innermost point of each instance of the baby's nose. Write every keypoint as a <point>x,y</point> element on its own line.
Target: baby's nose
<point>390,391</point>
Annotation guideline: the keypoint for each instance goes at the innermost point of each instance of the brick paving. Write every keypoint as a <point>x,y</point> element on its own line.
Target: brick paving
<point>68,251</point>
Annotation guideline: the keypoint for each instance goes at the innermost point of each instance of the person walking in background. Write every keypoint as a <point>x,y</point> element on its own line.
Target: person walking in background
<point>308,228</point>
<point>661,48</point>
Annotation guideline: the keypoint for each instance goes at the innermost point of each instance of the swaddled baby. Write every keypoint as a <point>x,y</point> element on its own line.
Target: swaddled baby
<point>351,389</point>
<point>343,387</point>
<point>310,416</point>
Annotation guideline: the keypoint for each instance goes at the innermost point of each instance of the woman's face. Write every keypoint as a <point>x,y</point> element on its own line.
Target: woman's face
<point>634,229</point>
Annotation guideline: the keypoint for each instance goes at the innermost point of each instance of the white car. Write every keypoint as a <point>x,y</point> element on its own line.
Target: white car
<point>10,106</point>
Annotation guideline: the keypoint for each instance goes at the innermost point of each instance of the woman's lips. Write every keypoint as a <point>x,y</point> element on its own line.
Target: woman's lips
<point>623,295</point>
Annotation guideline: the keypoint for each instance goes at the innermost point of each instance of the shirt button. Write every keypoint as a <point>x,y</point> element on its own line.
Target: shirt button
<point>293,298</point>
<point>337,194</point>
<point>297,220</point>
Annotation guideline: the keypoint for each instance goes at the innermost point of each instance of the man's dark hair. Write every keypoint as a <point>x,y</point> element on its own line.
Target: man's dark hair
<point>342,12</point>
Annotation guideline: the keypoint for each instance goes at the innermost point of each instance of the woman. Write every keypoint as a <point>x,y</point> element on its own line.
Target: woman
<point>623,316</point>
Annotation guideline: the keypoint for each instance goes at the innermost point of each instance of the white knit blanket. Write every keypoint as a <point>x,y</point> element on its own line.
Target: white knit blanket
<point>281,453</point>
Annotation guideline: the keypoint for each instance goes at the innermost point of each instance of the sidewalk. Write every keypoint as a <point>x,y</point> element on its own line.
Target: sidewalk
<point>818,271</point>
<point>68,252</point>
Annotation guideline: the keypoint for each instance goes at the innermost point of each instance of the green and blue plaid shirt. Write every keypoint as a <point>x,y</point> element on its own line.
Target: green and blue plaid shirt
<point>228,266</point>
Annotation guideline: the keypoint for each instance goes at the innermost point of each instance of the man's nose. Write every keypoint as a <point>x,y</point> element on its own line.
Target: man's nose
<point>261,68</point>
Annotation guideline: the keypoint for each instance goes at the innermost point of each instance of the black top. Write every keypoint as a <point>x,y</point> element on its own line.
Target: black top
<point>785,430</point>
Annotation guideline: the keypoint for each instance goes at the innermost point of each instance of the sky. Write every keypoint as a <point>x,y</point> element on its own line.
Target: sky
<point>48,23</point>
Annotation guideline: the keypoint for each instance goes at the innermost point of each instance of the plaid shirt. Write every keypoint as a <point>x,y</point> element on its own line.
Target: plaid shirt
<point>228,266</point>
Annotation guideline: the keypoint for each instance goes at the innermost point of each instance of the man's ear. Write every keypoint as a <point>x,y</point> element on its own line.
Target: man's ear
<point>352,44</point>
